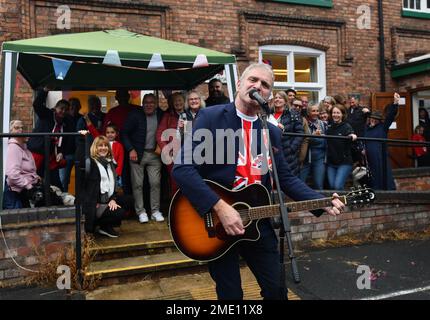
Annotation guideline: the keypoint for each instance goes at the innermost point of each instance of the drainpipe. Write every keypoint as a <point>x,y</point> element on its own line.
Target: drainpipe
<point>381,45</point>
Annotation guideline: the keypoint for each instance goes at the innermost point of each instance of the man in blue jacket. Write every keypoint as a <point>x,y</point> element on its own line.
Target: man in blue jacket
<point>262,256</point>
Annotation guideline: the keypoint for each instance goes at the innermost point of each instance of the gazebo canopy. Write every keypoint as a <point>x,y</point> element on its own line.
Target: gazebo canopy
<point>104,60</point>
<point>87,51</point>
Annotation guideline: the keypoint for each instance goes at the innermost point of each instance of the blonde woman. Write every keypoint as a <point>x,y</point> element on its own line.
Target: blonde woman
<point>103,208</point>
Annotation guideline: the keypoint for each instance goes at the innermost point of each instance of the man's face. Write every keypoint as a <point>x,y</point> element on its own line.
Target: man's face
<point>60,112</point>
<point>215,89</point>
<point>259,79</point>
<point>291,96</point>
<point>305,101</point>
<point>149,105</point>
<point>352,102</point>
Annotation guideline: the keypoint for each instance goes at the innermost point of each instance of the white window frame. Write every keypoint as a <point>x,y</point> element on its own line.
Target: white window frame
<point>289,51</point>
<point>423,6</point>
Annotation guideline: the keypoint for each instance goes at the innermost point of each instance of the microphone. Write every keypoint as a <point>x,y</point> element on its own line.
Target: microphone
<point>183,117</point>
<point>254,95</point>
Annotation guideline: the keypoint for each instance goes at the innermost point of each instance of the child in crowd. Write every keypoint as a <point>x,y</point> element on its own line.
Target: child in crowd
<point>420,152</point>
<point>111,133</point>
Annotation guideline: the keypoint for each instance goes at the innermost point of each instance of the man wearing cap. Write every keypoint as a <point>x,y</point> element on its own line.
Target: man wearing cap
<point>378,128</point>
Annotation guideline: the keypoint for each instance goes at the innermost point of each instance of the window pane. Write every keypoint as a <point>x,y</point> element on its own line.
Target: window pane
<point>418,4</point>
<point>428,4</point>
<point>405,4</point>
<point>279,65</point>
<point>305,69</point>
<point>312,96</point>
<point>411,4</point>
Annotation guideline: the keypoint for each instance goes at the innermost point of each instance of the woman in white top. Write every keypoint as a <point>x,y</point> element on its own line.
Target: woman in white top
<point>103,207</point>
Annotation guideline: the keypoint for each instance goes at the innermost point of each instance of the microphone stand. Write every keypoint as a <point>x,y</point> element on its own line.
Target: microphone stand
<point>285,229</point>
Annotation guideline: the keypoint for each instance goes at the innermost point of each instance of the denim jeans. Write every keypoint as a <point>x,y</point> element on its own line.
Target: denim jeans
<point>318,172</point>
<point>65,172</point>
<point>11,199</point>
<point>337,175</point>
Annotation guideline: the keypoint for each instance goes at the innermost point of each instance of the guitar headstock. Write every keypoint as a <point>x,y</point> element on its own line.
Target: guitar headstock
<point>360,196</point>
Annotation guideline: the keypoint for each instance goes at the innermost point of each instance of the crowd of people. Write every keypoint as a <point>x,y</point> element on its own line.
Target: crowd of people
<point>130,144</point>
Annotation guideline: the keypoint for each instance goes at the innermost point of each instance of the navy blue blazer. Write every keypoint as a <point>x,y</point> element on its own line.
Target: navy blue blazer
<point>189,175</point>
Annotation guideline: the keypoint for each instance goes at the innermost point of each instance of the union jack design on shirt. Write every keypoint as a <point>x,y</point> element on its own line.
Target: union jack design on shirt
<point>249,165</point>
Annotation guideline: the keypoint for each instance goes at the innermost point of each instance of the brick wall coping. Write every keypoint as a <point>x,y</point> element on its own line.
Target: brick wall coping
<point>36,217</point>
<point>411,172</point>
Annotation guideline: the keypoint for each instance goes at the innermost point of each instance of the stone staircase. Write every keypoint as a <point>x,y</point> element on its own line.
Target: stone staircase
<point>142,251</point>
<point>144,264</point>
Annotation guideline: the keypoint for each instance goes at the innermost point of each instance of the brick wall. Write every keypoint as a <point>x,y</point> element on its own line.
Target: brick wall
<point>30,234</point>
<point>409,211</point>
<point>417,179</point>
<point>240,27</point>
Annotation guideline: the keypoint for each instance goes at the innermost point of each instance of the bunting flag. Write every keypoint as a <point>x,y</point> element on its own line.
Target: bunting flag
<point>61,67</point>
<point>201,61</point>
<point>156,62</point>
<point>112,58</point>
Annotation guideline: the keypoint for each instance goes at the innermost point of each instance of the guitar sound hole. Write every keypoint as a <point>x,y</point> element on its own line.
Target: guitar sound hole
<point>243,209</point>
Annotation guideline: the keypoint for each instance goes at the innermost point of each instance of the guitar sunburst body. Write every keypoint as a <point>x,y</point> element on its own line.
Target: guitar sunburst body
<point>188,228</point>
<point>204,239</point>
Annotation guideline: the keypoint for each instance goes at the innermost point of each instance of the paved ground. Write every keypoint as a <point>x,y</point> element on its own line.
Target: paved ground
<point>401,270</point>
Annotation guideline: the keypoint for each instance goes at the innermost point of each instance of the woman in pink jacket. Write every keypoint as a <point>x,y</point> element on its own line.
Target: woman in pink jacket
<point>21,173</point>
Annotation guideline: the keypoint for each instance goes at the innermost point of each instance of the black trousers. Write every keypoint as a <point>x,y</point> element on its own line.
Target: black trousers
<point>113,218</point>
<point>262,258</point>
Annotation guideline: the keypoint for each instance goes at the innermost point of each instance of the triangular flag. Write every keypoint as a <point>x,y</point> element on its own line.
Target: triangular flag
<point>156,62</point>
<point>112,57</point>
<point>201,61</point>
<point>61,67</point>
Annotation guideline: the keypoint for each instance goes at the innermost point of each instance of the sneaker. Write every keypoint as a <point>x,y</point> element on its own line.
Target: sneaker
<point>108,231</point>
<point>157,216</point>
<point>143,217</point>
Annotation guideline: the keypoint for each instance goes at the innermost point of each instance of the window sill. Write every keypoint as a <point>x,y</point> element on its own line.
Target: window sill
<point>415,14</point>
<point>314,3</point>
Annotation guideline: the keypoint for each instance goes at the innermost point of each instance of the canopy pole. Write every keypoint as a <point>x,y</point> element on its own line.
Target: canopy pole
<point>9,66</point>
<point>231,77</point>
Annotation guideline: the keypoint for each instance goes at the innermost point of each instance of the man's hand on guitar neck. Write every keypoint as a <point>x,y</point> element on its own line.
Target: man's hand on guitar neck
<point>229,217</point>
<point>337,208</point>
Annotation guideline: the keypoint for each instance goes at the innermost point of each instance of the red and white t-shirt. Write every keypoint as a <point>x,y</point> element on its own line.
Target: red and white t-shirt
<point>248,169</point>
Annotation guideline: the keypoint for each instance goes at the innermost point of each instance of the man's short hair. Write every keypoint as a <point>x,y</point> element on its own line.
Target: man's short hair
<point>260,66</point>
<point>291,90</point>
<point>63,103</point>
<point>212,81</point>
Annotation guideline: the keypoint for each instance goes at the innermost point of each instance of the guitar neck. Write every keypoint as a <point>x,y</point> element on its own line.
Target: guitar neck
<point>273,210</point>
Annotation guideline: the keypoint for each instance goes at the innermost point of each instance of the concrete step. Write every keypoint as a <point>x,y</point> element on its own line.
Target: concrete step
<point>135,240</point>
<point>128,250</point>
<point>142,267</point>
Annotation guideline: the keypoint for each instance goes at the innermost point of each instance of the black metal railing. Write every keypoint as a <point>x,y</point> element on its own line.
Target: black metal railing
<point>384,142</point>
<point>80,169</point>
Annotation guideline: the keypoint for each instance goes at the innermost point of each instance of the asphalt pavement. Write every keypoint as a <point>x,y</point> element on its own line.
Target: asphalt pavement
<point>398,270</point>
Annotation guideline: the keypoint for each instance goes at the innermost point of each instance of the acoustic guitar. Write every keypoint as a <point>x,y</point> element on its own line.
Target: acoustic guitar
<point>204,238</point>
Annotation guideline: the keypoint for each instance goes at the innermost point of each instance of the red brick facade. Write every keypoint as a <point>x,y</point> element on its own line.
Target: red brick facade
<point>240,27</point>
